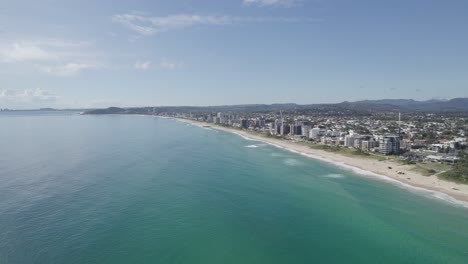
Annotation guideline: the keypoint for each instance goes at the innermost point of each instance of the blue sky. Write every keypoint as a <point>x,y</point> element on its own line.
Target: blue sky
<point>63,53</point>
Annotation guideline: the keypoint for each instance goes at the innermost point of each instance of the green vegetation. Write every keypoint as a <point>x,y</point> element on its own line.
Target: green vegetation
<point>325,147</point>
<point>107,111</point>
<point>407,162</point>
<point>359,152</point>
<point>424,171</point>
<point>428,169</point>
<point>427,135</point>
<point>348,151</point>
<point>459,173</point>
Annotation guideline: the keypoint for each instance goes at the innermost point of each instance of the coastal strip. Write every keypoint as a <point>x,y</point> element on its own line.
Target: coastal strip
<point>451,192</point>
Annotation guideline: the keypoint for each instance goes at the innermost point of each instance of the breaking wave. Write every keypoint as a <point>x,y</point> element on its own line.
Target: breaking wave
<point>334,176</point>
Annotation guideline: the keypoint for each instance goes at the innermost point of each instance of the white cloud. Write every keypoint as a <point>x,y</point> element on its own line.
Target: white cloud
<point>68,69</point>
<point>153,25</point>
<point>53,56</point>
<point>40,50</point>
<point>61,43</point>
<point>147,26</point>
<point>143,65</point>
<point>18,52</point>
<point>28,98</point>
<point>171,65</point>
<point>283,3</point>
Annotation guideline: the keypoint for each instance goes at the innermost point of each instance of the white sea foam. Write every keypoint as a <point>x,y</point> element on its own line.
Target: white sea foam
<point>191,124</point>
<point>426,192</point>
<point>276,146</point>
<point>244,137</point>
<point>251,146</point>
<point>334,176</point>
<point>292,162</point>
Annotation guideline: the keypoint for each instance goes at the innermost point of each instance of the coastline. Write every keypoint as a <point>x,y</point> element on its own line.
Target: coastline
<point>371,168</point>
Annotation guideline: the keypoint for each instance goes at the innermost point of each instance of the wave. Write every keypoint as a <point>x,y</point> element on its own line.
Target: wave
<point>334,176</point>
<point>188,123</point>
<point>292,162</point>
<point>251,146</point>
<point>244,137</point>
<point>426,192</point>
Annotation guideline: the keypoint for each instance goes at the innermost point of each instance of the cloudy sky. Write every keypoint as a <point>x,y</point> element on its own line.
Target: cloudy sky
<point>64,53</point>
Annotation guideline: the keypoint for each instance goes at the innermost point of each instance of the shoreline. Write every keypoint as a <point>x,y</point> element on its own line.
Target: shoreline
<point>431,185</point>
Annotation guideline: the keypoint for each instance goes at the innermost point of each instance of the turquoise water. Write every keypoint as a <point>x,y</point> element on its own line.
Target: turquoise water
<point>131,189</point>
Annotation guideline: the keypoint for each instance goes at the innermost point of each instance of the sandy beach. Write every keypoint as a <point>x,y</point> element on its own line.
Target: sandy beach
<point>438,188</point>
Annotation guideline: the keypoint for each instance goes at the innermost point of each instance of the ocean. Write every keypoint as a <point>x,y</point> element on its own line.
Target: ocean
<point>140,189</point>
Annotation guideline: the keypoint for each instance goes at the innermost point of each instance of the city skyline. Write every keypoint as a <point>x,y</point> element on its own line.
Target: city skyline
<point>65,54</point>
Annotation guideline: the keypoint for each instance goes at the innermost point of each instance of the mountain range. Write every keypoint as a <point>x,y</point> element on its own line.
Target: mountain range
<point>434,105</point>
<point>456,105</point>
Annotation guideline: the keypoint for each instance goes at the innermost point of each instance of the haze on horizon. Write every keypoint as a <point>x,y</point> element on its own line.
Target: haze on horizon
<point>74,54</point>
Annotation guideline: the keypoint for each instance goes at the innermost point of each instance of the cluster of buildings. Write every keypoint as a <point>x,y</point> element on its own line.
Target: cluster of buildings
<point>382,135</point>
<point>234,120</point>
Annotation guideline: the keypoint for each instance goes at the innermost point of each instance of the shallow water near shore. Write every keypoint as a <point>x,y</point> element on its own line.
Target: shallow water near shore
<point>136,189</point>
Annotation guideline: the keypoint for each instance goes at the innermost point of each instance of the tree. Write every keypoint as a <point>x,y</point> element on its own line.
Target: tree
<point>447,150</point>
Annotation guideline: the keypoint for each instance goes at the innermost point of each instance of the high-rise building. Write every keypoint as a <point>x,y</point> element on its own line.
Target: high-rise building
<point>285,129</point>
<point>259,122</point>
<point>349,140</point>
<point>277,126</point>
<point>244,123</point>
<point>305,131</point>
<point>272,128</point>
<point>366,145</point>
<point>389,145</point>
<point>357,142</point>
<point>296,130</point>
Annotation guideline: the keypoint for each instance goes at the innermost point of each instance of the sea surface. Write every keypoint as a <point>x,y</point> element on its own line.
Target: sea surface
<point>138,189</point>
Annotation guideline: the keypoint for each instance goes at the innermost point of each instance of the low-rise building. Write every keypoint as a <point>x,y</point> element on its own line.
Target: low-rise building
<point>316,133</point>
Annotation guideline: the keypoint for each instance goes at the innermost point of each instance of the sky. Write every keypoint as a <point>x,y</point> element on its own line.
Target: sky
<point>90,54</point>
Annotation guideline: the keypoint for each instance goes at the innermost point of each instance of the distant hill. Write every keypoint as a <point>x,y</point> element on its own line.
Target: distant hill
<point>457,105</point>
<point>107,111</point>
<point>452,105</point>
<point>186,109</point>
<point>400,102</point>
